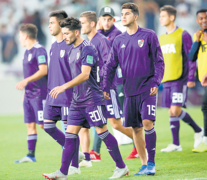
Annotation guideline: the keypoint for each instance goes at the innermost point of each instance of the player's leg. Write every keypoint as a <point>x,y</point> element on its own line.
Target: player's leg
<point>69,149</point>
<point>30,120</point>
<point>51,115</point>
<point>117,124</point>
<point>95,152</point>
<point>203,146</point>
<point>85,145</point>
<point>147,108</point>
<point>96,117</point>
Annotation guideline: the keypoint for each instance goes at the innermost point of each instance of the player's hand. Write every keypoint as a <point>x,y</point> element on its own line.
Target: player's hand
<point>198,35</point>
<point>21,85</point>
<point>106,95</point>
<point>191,84</point>
<point>204,80</point>
<point>99,24</point>
<point>205,37</point>
<point>55,91</point>
<point>153,91</point>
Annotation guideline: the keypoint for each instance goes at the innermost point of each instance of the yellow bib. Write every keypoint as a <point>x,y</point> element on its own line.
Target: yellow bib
<point>171,45</point>
<point>202,58</point>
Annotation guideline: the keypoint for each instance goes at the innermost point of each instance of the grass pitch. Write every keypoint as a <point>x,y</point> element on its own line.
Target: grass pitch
<point>175,165</point>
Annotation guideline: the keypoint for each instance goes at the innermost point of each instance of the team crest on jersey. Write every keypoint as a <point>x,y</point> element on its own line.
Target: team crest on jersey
<point>140,43</point>
<point>77,55</point>
<point>29,57</point>
<point>62,53</point>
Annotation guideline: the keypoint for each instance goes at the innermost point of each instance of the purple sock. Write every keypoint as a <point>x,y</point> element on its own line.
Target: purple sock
<point>76,155</point>
<point>187,119</point>
<point>31,141</point>
<point>65,124</point>
<point>69,150</point>
<point>150,138</point>
<point>87,156</point>
<point>175,126</point>
<point>112,147</point>
<point>54,132</point>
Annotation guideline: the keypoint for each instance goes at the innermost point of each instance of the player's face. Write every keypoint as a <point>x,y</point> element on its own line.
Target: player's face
<point>202,20</point>
<point>107,22</point>
<point>68,36</point>
<point>22,38</point>
<point>85,25</point>
<point>54,26</point>
<point>164,18</point>
<point>127,17</point>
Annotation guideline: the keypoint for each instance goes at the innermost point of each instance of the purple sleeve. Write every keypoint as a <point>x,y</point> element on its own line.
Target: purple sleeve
<point>187,43</point>
<point>110,68</point>
<point>158,61</point>
<point>41,56</point>
<point>99,31</point>
<point>89,56</point>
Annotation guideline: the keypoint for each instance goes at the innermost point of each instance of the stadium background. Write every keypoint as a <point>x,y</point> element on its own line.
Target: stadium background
<point>15,12</point>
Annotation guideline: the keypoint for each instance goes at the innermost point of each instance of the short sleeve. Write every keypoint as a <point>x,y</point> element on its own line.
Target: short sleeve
<point>89,56</point>
<point>41,55</point>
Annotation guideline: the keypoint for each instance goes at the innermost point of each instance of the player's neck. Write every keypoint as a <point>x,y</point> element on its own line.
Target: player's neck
<point>78,41</point>
<point>170,27</point>
<point>30,43</point>
<point>92,34</point>
<point>59,37</point>
<point>132,29</point>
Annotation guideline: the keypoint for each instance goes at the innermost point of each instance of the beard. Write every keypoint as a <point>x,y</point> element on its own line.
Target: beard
<point>72,41</point>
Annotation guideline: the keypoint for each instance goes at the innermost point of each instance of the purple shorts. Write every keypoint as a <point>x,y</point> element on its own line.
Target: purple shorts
<point>33,110</point>
<point>87,117</point>
<point>113,109</point>
<point>55,113</point>
<point>138,108</point>
<point>174,96</point>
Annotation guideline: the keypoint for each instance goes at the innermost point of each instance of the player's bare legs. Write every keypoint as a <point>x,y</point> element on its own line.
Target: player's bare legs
<point>117,124</point>
<point>31,128</point>
<point>139,142</point>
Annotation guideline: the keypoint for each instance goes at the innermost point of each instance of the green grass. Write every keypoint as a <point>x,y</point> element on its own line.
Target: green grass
<point>175,165</point>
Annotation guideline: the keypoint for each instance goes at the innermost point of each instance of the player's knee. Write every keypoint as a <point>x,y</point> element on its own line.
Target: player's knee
<point>175,113</point>
<point>116,126</point>
<point>148,124</point>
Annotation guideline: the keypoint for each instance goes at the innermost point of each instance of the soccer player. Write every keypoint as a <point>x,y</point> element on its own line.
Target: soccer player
<point>178,76</point>
<point>105,26</point>
<point>139,55</point>
<point>89,20</point>
<point>87,107</point>
<point>35,84</point>
<point>198,51</point>
<point>58,74</point>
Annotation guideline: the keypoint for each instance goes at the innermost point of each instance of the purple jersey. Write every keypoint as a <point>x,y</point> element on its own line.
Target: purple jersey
<point>59,73</point>
<point>32,59</point>
<point>140,59</point>
<point>89,92</point>
<point>188,66</point>
<point>111,35</point>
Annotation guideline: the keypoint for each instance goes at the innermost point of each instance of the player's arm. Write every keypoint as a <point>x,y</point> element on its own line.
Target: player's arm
<point>110,70</point>
<point>187,43</point>
<point>158,64</point>
<point>89,59</point>
<point>39,74</point>
<point>204,80</point>
<point>84,76</point>
<point>193,54</point>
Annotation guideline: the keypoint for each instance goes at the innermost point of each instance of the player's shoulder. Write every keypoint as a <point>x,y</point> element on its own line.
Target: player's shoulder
<point>87,47</point>
<point>116,31</point>
<point>39,48</point>
<point>146,31</point>
<point>100,37</point>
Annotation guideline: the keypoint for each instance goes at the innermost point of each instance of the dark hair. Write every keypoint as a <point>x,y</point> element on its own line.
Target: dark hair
<point>132,6</point>
<point>71,23</point>
<point>169,9</point>
<point>60,15</point>
<point>90,15</point>
<point>30,29</point>
<point>201,11</point>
